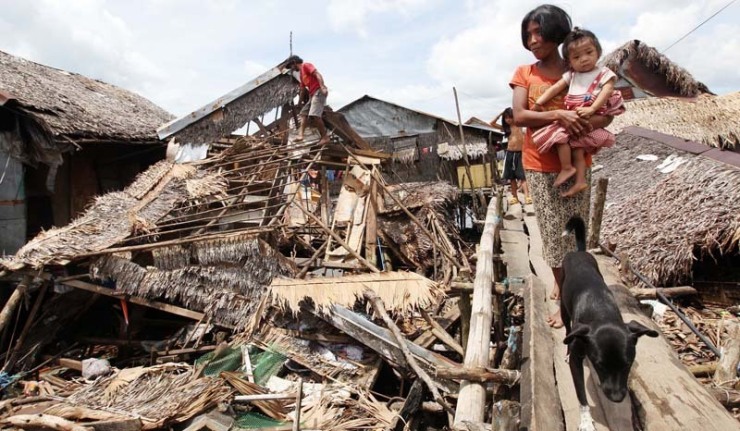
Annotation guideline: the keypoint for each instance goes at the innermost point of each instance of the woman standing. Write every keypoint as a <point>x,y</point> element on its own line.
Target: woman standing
<point>543,30</point>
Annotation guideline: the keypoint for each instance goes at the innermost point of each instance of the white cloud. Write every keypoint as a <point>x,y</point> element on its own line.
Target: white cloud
<point>353,15</point>
<point>79,32</point>
<point>254,68</point>
<point>481,58</point>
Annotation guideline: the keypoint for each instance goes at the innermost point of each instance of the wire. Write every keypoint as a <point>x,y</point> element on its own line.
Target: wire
<point>701,24</point>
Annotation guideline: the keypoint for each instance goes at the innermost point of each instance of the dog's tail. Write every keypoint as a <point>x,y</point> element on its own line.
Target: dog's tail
<point>576,225</point>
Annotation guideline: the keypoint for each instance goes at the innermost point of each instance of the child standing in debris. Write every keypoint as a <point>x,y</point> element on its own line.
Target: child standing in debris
<point>590,91</point>
<point>312,86</point>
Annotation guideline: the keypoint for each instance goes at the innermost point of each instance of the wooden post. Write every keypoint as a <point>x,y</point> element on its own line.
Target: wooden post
<point>6,315</point>
<point>324,197</point>
<point>27,327</point>
<point>465,155</point>
<point>371,222</point>
<point>727,367</point>
<point>594,229</point>
<point>298,397</point>
<point>472,399</point>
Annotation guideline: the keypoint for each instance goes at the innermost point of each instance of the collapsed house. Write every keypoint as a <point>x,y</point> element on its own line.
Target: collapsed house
<point>426,146</point>
<point>65,138</point>
<point>235,254</point>
<point>672,205</point>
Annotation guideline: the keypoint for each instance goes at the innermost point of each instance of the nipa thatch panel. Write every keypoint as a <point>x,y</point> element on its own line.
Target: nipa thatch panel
<point>708,119</point>
<point>693,213</point>
<point>225,279</point>
<point>110,219</point>
<point>402,292</point>
<point>160,395</point>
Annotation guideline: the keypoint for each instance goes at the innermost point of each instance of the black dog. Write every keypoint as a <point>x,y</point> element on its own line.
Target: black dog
<point>594,326</point>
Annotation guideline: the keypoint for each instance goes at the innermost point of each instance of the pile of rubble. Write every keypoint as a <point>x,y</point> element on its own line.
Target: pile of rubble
<point>235,291</point>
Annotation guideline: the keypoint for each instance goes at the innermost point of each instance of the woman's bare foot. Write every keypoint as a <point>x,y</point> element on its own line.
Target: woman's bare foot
<point>575,189</point>
<point>564,175</point>
<point>298,138</point>
<point>555,320</point>
<point>324,140</point>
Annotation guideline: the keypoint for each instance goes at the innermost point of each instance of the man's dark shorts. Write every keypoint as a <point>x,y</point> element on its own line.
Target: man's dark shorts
<point>513,168</point>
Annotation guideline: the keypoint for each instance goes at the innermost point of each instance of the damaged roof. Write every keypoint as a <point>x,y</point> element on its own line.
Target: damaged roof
<point>74,106</point>
<point>647,70</point>
<point>234,109</point>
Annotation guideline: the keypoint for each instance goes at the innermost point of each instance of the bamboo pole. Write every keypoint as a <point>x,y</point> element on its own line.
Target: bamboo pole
<point>473,193</point>
<point>472,399</point>
<point>26,327</point>
<point>339,240</point>
<point>14,301</point>
<point>597,214</point>
<point>313,258</point>
<point>298,398</point>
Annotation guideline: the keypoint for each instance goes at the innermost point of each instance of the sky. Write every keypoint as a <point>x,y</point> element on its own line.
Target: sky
<point>182,54</point>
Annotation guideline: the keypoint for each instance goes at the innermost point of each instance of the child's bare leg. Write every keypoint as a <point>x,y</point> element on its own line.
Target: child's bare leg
<point>566,167</point>
<point>579,160</point>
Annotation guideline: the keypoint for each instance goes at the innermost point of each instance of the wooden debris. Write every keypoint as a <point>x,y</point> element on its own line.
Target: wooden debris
<point>726,374</point>
<point>471,403</point>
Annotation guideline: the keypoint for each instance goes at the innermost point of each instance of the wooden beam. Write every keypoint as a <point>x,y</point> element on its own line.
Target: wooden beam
<point>471,404</point>
<point>669,292</point>
<point>540,401</point>
<point>480,375</point>
<point>726,374</point>
<point>94,288</point>
<point>15,299</point>
<point>594,228</point>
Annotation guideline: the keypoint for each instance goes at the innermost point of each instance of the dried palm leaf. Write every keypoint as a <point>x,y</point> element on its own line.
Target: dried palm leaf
<point>403,292</point>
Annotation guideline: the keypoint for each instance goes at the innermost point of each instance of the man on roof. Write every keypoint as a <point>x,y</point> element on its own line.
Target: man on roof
<point>313,95</point>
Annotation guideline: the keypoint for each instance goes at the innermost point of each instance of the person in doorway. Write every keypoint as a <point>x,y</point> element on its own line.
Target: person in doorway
<point>543,29</point>
<point>313,95</point>
<point>513,168</point>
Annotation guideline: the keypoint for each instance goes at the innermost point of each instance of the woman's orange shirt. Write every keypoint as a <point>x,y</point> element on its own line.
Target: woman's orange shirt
<point>530,78</point>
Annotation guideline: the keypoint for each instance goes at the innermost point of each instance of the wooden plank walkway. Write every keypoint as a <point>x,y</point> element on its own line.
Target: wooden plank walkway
<point>548,399</point>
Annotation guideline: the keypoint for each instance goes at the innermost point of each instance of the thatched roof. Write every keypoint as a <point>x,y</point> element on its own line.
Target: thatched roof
<point>78,107</point>
<point>710,120</point>
<point>664,222</point>
<point>634,61</point>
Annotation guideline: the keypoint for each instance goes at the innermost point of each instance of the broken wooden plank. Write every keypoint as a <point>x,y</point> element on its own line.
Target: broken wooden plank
<point>726,373</point>
<point>540,401</point>
<point>410,406</point>
<point>382,341</point>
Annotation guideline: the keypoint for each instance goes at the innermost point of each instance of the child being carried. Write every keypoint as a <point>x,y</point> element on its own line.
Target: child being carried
<point>590,91</point>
